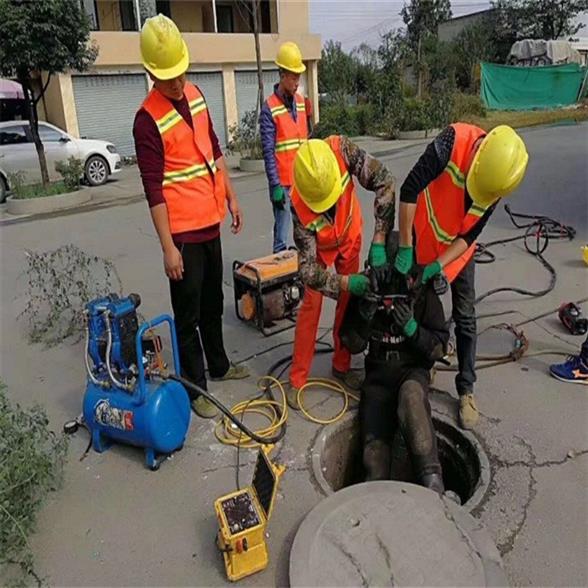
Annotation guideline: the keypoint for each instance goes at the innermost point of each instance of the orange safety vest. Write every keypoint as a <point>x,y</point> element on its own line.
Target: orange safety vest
<point>440,213</point>
<point>290,134</point>
<point>338,238</point>
<point>193,187</point>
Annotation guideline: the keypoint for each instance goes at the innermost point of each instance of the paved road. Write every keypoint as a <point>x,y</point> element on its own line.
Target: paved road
<point>115,524</point>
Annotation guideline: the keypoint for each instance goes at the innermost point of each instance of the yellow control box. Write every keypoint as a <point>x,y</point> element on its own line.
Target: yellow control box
<point>243,516</point>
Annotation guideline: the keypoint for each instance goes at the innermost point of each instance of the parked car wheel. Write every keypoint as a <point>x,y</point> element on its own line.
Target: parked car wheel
<point>3,190</point>
<point>96,170</point>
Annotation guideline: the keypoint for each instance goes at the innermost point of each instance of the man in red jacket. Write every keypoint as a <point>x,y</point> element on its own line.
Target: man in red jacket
<point>188,189</point>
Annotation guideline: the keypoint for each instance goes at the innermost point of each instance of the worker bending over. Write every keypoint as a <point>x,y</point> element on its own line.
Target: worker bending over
<point>445,202</point>
<point>328,232</point>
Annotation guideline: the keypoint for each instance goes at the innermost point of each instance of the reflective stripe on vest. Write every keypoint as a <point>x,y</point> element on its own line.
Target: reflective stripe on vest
<point>338,238</point>
<point>290,134</point>
<point>440,215</point>
<point>193,188</point>
<point>189,173</point>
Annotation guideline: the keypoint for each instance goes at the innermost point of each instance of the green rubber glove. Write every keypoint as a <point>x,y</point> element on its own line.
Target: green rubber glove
<point>410,327</point>
<point>278,197</point>
<point>403,261</point>
<point>431,271</point>
<point>404,319</point>
<point>377,256</point>
<point>358,284</point>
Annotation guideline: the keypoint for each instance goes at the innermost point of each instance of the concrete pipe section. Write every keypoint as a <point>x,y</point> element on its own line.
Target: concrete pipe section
<point>392,534</point>
<point>336,460</point>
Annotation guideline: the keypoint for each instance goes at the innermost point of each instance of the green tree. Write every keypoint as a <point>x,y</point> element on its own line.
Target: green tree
<point>438,65</point>
<point>366,69</point>
<point>474,44</point>
<point>422,19</point>
<point>49,36</point>
<point>535,19</point>
<point>336,72</point>
<point>387,90</point>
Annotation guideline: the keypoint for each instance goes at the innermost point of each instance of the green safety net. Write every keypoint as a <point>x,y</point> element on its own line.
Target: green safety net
<point>508,87</point>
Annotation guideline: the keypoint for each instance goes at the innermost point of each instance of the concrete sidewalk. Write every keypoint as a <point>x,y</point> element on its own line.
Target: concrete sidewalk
<point>126,187</point>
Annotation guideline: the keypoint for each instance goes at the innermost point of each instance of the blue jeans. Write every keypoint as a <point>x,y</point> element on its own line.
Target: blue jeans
<point>282,219</point>
<point>464,315</point>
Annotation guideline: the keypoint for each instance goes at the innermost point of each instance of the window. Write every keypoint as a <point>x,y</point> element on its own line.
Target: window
<point>127,15</point>
<point>49,135</point>
<point>237,17</point>
<point>266,20</point>
<point>163,7</point>
<point>224,18</point>
<point>13,135</point>
<point>91,11</point>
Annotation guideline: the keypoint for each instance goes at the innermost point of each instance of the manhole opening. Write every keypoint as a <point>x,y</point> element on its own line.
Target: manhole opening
<point>340,458</point>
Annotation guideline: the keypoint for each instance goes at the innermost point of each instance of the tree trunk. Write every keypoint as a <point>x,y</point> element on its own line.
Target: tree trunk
<point>25,82</point>
<point>419,70</point>
<point>260,97</point>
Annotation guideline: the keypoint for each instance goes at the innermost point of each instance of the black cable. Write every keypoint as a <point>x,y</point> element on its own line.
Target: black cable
<point>536,238</point>
<point>274,347</point>
<point>195,388</point>
<point>237,481</point>
<point>284,363</point>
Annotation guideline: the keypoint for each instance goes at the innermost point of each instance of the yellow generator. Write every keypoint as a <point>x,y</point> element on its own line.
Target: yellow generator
<point>268,291</point>
<point>243,517</point>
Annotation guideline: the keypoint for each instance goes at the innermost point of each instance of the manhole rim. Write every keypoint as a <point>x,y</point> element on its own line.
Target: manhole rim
<point>438,414</point>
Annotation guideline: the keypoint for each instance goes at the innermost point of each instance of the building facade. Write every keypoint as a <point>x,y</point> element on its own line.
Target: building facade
<point>449,29</point>
<point>101,103</point>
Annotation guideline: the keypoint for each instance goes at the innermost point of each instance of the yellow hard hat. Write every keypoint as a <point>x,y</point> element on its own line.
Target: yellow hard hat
<point>585,254</point>
<point>290,58</point>
<point>317,177</point>
<point>498,166</point>
<point>163,50</point>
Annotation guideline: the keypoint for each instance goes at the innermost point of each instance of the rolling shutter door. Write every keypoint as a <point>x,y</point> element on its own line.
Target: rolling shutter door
<point>106,106</point>
<point>246,84</point>
<point>211,85</point>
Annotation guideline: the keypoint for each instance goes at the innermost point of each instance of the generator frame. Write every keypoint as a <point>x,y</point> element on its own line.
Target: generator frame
<point>259,286</point>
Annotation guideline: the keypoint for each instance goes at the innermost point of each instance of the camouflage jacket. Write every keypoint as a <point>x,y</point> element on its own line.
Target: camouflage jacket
<point>373,176</point>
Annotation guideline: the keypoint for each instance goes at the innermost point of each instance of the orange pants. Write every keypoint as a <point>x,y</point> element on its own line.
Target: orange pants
<point>307,325</point>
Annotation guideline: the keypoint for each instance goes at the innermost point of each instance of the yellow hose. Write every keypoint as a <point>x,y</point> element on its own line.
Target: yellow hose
<point>327,385</point>
<point>227,433</point>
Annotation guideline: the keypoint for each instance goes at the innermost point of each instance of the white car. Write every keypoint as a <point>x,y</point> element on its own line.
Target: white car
<point>18,153</point>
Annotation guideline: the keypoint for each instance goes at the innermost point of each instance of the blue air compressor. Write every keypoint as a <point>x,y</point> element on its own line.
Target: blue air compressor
<point>130,398</point>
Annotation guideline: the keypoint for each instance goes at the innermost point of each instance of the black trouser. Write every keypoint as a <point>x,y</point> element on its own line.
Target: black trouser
<point>395,393</point>
<point>463,295</point>
<point>197,302</point>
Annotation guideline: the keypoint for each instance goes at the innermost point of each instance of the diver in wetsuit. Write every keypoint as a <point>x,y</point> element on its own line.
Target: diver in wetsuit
<point>404,335</point>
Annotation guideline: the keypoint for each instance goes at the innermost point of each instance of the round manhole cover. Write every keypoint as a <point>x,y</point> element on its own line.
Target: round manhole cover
<point>392,534</point>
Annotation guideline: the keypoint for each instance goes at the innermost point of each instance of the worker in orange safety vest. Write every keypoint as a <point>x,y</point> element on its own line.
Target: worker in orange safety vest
<point>328,225</point>
<point>283,125</point>
<point>188,190</point>
<point>445,202</point>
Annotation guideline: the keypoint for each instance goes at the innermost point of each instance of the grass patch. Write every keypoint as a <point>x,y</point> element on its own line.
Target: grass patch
<point>530,118</point>
<point>31,467</point>
<point>38,191</point>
